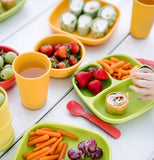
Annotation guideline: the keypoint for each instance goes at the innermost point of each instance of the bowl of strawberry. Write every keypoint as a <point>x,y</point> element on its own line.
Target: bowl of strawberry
<point>91,80</point>
<point>65,53</point>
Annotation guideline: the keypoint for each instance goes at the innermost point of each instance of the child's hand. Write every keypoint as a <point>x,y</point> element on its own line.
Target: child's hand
<point>146,81</point>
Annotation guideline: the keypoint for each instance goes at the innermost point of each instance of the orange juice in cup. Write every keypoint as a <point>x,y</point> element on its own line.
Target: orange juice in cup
<point>32,72</point>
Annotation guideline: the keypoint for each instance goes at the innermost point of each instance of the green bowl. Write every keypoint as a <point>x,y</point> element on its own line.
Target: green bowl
<point>82,133</point>
<point>97,103</point>
<point>7,13</point>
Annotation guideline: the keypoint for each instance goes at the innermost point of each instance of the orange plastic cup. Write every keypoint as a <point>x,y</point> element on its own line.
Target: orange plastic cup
<point>33,91</point>
<point>6,129</point>
<point>142,18</point>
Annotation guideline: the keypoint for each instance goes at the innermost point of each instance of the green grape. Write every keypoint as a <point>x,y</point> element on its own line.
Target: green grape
<point>7,73</point>
<point>2,97</point>
<point>1,61</point>
<point>7,66</point>
<point>9,57</point>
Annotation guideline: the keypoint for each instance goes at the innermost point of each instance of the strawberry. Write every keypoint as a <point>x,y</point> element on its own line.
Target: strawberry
<point>56,47</point>
<point>67,44</point>
<point>54,62</point>
<point>74,47</point>
<point>46,49</point>
<point>92,70</point>
<point>62,65</point>
<point>72,60</point>
<point>101,74</point>
<point>83,78</point>
<point>54,57</point>
<point>61,52</point>
<point>95,86</point>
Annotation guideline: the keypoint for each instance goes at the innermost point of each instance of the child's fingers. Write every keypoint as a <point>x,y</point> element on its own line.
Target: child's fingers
<point>147,97</point>
<point>144,91</point>
<point>143,83</point>
<point>146,76</point>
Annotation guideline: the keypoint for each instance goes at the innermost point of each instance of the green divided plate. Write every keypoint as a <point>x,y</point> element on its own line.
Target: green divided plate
<point>82,133</point>
<point>7,13</point>
<point>97,103</point>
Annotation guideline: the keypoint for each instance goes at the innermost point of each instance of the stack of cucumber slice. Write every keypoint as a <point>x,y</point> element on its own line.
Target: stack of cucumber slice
<point>88,17</point>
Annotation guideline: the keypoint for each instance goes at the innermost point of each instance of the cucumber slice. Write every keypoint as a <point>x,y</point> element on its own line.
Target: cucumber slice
<point>99,27</point>
<point>91,8</point>
<point>76,6</point>
<point>109,13</point>
<point>68,22</point>
<point>84,24</point>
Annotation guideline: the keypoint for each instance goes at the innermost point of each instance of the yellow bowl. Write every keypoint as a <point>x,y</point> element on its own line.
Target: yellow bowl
<point>61,38</point>
<point>63,6</point>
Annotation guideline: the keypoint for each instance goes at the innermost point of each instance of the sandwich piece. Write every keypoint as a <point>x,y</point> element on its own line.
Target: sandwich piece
<point>116,103</point>
<point>99,27</point>
<point>8,4</point>
<point>91,8</point>
<point>76,6</point>
<point>84,24</point>
<point>68,22</point>
<point>109,13</point>
<point>142,69</point>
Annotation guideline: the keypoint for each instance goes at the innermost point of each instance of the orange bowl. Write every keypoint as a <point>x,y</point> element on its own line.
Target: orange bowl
<point>63,6</point>
<point>61,38</point>
<point>10,82</point>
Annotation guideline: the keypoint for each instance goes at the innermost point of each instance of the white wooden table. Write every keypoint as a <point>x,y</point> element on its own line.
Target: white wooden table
<point>21,32</point>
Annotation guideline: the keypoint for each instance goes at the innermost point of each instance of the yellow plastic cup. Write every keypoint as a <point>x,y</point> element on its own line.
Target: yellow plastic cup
<point>142,18</point>
<point>6,129</point>
<point>33,91</point>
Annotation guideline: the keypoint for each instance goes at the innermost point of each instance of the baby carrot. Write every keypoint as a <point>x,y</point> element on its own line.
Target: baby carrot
<point>32,133</point>
<point>25,155</point>
<point>126,66</point>
<point>54,146</point>
<point>58,149</point>
<point>106,66</point>
<point>64,133</point>
<point>33,137</point>
<point>39,139</point>
<point>107,61</point>
<point>52,134</point>
<point>113,59</point>
<point>118,65</point>
<point>52,157</point>
<point>119,74</point>
<point>124,77</point>
<point>45,144</point>
<point>62,153</point>
<point>47,129</point>
<point>125,72</point>
<point>35,154</point>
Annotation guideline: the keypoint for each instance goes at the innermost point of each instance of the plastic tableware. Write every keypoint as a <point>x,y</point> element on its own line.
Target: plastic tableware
<point>33,91</point>
<point>97,103</point>
<point>6,129</point>
<point>7,13</point>
<point>76,109</point>
<point>82,133</point>
<point>10,82</point>
<point>61,38</point>
<point>63,6</point>
<point>142,18</point>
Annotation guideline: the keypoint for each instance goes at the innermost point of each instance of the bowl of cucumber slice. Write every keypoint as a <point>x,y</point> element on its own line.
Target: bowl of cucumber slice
<point>7,56</point>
